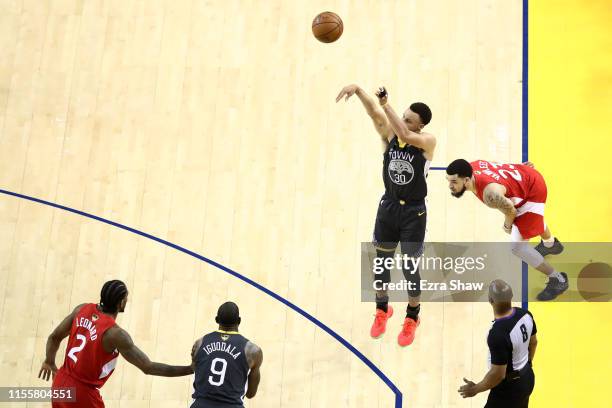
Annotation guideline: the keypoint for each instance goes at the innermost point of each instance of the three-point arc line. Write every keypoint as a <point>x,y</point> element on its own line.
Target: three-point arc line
<point>345,343</point>
<point>317,322</point>
<point>349,346</point>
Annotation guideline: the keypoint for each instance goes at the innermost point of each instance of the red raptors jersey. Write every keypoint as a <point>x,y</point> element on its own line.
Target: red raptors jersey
<point>522,183</point>
<point>86,360</point>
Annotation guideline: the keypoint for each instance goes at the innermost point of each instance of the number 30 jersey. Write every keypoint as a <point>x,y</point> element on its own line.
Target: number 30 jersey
<point>86,360</point>
<point>404,172</point>
<point>523,183</point>
<point>221,369</point>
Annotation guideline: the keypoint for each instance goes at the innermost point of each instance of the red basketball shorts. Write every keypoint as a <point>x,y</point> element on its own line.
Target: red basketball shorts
<point>530,215</point>
<point>87,396</point>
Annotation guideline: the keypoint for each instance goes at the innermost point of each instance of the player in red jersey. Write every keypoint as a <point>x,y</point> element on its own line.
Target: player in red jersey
<point>94,344</point>
<point>519,192</point>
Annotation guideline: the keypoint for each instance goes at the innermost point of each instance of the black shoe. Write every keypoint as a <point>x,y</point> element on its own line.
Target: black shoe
<point>555,249</point>
<point>554,288</point>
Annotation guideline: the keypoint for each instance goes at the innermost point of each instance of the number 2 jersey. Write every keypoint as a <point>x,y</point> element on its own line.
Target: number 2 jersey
<point>86,360</point>
<point>221,369</point>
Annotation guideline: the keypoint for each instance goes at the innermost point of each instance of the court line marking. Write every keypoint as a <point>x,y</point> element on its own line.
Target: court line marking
<point>525,134</point>
<point>336,336</point>
<point>345,343</point>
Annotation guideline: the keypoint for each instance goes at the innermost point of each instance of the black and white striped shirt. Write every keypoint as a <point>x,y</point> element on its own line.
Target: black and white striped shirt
<point>509,338</point>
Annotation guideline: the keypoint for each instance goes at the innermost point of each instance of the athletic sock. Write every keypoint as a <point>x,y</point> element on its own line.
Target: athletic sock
<point>548,243</point>
<point>558,276</point>
<point>413,312</point>
<point>382,303</point>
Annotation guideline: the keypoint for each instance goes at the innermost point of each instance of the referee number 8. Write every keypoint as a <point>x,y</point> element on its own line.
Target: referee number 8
<point>524,333</point>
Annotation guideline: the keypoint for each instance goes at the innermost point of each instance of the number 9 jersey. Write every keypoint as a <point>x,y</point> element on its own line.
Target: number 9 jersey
<point>525,187</point>
<point>86,360</point>
<point>221,371</point>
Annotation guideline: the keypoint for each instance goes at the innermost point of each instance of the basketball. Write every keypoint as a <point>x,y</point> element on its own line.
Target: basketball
<point>327,27</point>
<point>595,282</point>
<point>205,196</point>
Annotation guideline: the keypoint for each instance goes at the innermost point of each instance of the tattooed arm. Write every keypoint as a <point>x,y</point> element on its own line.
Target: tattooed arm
<point>493,196</point>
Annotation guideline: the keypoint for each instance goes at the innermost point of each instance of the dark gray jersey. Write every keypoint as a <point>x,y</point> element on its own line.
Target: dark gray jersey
<point>221,369</point>
<point>404,172</point>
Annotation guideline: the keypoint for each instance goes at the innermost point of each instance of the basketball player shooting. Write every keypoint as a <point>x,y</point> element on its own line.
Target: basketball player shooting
<point>519,192</point>
<point>94,344</point>
<point>401,215</point>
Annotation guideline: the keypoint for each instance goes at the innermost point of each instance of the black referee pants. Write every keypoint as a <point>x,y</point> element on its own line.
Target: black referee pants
<point>512,393</point>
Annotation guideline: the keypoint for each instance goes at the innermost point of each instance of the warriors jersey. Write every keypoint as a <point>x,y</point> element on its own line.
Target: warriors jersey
<point>404,172</point>
<point>221,370</point>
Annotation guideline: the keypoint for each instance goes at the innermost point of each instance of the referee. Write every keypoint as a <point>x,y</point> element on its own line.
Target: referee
<point>512,344</point>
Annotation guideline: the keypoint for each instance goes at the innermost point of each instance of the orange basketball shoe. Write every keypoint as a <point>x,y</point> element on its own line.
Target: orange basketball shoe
<point>380,322</point>
<point>406,336</point>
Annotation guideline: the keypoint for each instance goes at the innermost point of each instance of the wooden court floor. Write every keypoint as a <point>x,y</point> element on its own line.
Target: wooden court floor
<point>212,124</point>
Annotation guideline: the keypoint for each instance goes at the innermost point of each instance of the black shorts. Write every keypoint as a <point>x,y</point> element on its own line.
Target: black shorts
<point>512,393</point>
<point>397,222</point>
<point>202,403</point>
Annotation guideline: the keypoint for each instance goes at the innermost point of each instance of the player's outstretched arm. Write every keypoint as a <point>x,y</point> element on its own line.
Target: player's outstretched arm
<point>120,339</point>
<point>48,368</point>
<point>494,197</point>
<point>254,358</point>
<point>381,123</point>
<point>423,141</point>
